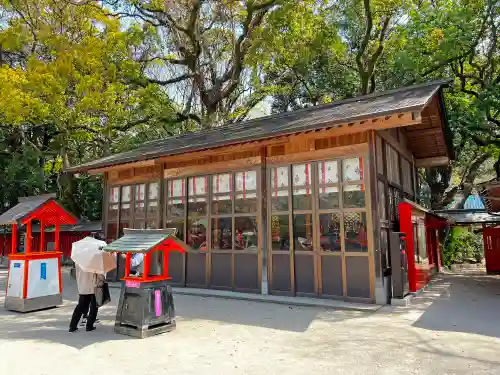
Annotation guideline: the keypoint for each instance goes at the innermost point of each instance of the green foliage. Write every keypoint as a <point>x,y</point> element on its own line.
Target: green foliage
<point>463,246</point>
<point>81,80</point>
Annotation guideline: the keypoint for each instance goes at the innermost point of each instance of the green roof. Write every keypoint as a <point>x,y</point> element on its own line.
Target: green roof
<point>139,240</point>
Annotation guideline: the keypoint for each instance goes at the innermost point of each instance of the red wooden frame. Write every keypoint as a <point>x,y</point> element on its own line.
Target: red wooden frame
<point>49,213</point>
<point>420,275</point>
<point>166,246</point>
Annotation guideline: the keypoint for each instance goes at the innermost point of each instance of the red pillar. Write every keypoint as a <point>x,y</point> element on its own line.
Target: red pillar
<point>14,239</point>
<point>28,237</point>
<point>42,236</point>
<point>147,260</point>
<point>407,227</point>
<point>56,240</point>
<point>165,254</point>
<point>128,259</point>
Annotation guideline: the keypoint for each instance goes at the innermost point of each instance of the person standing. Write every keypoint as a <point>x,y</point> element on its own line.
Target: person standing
<point>86,283</point>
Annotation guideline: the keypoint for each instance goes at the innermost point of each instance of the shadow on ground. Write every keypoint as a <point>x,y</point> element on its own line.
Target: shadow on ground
<point>52,325</point>
<point>467,303</point>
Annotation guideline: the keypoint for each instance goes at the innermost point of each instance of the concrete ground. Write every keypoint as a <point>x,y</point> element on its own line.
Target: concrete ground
<point>451,329</point>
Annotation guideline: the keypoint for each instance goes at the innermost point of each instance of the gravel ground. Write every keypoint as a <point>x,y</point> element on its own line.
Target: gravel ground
<point>451,329</point>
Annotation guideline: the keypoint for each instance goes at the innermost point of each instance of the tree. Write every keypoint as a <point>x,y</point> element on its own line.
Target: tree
<point>64,88</point>
<point>204,52</point>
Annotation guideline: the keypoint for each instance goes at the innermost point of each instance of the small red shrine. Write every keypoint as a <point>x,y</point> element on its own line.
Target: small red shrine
<point>146,305</point>
<point>147,242</point>
<point>421,228</point>
<point>35,279</point>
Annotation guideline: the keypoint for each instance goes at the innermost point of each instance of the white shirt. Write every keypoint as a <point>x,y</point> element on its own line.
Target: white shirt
<point>136,262</point>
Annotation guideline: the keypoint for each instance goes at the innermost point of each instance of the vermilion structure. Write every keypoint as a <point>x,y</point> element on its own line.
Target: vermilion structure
<point>47,212</point>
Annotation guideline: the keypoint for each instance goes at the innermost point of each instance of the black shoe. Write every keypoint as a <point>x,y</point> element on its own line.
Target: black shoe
<point>71,330</point>
<point>90,329</point>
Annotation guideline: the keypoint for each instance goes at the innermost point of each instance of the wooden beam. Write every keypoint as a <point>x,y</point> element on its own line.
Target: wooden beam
<point>396,145</point>
<point>438,161</point>
<point>121,167</point>
<point>330,130</point>
<point>212,167</point>
<point>351,150</point>
<point>218,151</point>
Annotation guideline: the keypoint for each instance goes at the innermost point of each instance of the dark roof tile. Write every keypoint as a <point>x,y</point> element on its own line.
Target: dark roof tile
<point>412,98</point>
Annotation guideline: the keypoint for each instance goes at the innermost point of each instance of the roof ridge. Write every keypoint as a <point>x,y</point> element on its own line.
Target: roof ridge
<point>335,103</point>
<point>414,98</point>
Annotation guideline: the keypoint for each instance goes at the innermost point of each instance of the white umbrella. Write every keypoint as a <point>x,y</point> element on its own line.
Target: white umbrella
<point>89,256</point>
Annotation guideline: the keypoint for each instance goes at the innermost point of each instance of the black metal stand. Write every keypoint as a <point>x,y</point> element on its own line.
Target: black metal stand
<point>145,310</point>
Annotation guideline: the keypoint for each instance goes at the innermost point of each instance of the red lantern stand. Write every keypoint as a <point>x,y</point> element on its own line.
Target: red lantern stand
<point>420,227</point>
<point>35,279</point>
<point>146,306</point>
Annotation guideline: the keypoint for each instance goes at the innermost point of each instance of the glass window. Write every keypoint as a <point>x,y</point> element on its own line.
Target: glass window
<point>153,191</point>
<point>279,200</point>
<point>354,196</point>
<point>125,212</point>
<point>280,232</point>
<point>125,209</point>
<point>328,197</point>
<point>329,226</point>
<point>126,193</point>
<point>152,209</point>
<point>113,212</point>
<point>197,234</point>
<point>355,235</point>
<point>197,196</point>
<point>140,192</point>
<point>303,232</point>
<point>328,172</point>
<point>302,187</point>
<point>139,197</point>
<point>352,169</point>
<point>246,233</point>
<point>176,198</point>
<point>279,178</point>
<point>114,194</point>
<point>246,189</point>
<point>222,233</point>
<point>178,225</point>
<point>279,188</point>
<point>222,205</point>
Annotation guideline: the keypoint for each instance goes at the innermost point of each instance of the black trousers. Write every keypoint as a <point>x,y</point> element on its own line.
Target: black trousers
<point>86,302</point>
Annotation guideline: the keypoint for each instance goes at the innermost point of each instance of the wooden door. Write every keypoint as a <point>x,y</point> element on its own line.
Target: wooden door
<point>491,239</point>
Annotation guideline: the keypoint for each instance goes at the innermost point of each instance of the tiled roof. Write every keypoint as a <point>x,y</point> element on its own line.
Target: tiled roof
<point>468,216</point>
<point>139,240</point>
<point>25,206</point>
<point>407,99</point>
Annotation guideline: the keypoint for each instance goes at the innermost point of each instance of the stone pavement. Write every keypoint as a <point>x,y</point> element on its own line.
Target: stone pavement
<point>453,328</point>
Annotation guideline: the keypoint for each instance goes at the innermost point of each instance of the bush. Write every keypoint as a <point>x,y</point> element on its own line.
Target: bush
<point>463,247</point>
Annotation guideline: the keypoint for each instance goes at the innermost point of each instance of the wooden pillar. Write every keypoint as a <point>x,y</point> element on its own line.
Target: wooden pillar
<point>13,239</point>
<point>56,240</point>
<point>28,237</point>
<point>42,236</point>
